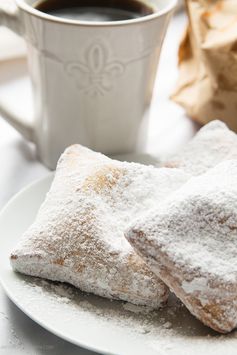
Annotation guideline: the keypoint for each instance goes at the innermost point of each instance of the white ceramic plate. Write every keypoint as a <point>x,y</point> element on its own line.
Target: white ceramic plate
<point>93,322</point>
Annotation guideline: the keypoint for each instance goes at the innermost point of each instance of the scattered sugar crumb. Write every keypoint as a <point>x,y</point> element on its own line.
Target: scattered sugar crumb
<point>137,309</point>
<point>167,325</point>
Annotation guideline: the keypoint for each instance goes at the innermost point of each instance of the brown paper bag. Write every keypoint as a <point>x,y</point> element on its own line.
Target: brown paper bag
<point>207,85</point>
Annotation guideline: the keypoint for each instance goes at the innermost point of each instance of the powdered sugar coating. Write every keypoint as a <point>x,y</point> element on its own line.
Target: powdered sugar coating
<point>213,144</point>
<point>78,233</point>
<point>191,243</point>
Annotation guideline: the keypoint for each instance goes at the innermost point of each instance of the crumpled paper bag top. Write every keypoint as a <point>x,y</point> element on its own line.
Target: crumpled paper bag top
<point>207,84</point>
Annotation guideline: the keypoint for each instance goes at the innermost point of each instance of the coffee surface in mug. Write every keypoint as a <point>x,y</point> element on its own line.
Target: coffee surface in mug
<point>95,10</point>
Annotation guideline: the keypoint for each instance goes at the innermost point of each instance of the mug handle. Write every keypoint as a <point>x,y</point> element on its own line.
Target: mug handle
<point>9,17</point>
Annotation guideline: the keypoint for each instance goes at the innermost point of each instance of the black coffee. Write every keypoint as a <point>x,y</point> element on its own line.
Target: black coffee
<point>95,10</point>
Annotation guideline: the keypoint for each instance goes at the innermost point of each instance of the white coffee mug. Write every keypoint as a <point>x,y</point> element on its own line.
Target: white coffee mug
<point>92,81</point>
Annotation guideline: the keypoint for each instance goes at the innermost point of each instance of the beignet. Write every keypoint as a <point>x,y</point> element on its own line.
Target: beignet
<point>78,235</point>
<point>213,144</point>
<point>190,242</point>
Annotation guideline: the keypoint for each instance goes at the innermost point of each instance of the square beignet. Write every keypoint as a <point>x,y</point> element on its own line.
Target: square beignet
<point>78,234</point>
<point>190,242</point>
<point>213,144</point>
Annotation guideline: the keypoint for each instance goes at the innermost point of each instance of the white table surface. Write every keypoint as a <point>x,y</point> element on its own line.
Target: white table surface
<point>169,130</point>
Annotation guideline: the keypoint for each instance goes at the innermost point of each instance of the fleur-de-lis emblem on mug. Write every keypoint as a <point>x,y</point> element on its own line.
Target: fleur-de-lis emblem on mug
<point>96,73</point>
